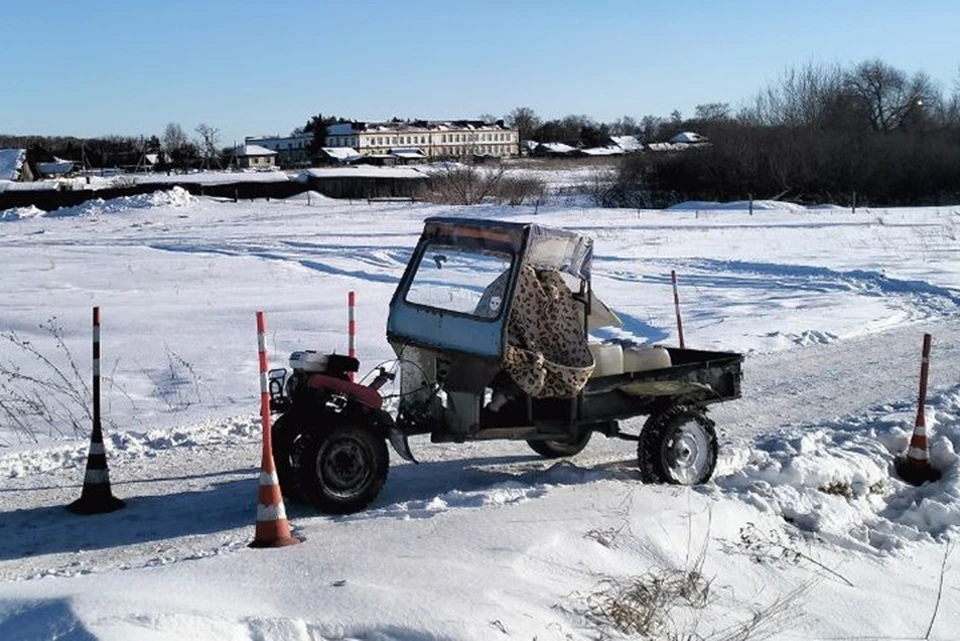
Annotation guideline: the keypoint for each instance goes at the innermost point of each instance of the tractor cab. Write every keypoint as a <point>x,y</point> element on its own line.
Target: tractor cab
<point>489,323</point>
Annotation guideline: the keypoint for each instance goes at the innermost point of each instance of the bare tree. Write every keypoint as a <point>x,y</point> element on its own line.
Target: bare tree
<point>889,96</point>
<point>712,111</point>
<point>625,126</point>
<point>177,145</point>
<point>209,139</point>
<point>798,98</point>
<point>524,120</point>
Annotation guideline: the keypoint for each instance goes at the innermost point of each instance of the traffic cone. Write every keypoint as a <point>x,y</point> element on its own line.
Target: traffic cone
<point>96,497</point>
<point>914,467</point>
<point>273,530</point>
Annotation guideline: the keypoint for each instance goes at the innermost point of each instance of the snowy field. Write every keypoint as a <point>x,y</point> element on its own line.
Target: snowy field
<point>802,534</point>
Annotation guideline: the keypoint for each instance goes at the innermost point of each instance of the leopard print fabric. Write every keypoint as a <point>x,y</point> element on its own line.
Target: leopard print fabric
<point>546,353</point>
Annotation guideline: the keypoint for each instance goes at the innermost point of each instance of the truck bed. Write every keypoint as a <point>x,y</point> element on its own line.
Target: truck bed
<point>695,375</point>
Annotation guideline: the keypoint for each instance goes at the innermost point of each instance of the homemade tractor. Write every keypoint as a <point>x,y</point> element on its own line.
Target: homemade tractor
<point>490,326</point>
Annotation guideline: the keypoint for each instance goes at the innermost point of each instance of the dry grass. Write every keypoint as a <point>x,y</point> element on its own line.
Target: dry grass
<point>52,398</point>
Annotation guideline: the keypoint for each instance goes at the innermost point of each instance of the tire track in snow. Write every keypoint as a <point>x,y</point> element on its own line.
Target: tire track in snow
<point>823,381</point>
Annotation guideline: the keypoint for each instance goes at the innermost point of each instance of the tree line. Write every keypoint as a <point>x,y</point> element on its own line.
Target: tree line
<point>173,150</point>
<point>869,134</point>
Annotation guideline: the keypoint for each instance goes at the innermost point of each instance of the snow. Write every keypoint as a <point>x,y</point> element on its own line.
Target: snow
<point>481,540</point>
<point>366,171</point>
<point>254,150</point>
<point>55,168</point>
<point>687,137</point>
<point>10,162</point>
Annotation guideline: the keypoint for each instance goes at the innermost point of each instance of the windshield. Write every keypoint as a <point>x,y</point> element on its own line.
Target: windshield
<point>463,280</point>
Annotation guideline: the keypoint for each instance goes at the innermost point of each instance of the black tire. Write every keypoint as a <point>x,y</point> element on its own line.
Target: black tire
<point>342,469</point>
<point>557,449</point>
<point>284,436</point>
<point>677,446</point>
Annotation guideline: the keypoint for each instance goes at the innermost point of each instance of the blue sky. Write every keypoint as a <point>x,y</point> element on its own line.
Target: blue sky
<point>261,67</point>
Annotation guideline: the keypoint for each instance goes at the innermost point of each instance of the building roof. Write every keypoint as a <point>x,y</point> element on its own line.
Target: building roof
<point>407,152</point>
<point>602,151</point>
<point>254,150</point>
<point>627,143</point>
<point>11,161</point>
<point>688,137</point>
<point>555,148</point>
<point>412,126</point>
<point>343,154</point>
<point>361,171</point>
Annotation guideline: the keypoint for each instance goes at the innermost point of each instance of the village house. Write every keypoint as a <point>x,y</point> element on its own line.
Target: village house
<point>255,157</point>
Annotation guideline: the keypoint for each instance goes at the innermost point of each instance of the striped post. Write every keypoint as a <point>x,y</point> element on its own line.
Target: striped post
<point>96,496</point>
<point>918,444</point>
<point>273,530</point>
<point>915,467</point>
<point>351,327</point>
<point>676,305</point>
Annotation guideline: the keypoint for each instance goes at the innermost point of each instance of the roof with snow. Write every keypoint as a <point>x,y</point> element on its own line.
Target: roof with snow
<point>55,168</point>
<point>627,143</point>
<point>555,148</point>
<point>358,171</point>
<point>688,137</point>
<point>602,151</point>
<point>353,128</point>
<point>407,152</point>
<point>11,160</point>
<point>254,150</point>
<point>343,154</point>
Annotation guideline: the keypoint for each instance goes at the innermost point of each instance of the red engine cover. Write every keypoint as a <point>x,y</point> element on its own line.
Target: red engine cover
<point>369,397</point>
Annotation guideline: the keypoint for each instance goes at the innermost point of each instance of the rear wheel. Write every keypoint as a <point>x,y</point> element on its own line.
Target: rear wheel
<point>557,449</point>
<point>341,470</point>
<point>678,446</point>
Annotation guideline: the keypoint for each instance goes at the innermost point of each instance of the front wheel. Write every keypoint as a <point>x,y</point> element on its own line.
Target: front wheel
<point>677,446</point>
<point>343,469</point>
<point>556,449</point>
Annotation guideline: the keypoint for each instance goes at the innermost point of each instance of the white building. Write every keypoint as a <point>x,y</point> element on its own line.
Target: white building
<point>291,150</point>
<point>255,157</point>
<point>434,139</point>
<point>404,139</point>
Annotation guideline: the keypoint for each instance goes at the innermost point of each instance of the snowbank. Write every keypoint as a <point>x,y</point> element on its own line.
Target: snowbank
<point>837,481</point>
<point>176,197</point>
<point>736,205</point>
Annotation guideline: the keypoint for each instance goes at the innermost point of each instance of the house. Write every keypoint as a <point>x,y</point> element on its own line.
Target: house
<point>408,155</point>
<point>56,168</point>
<point>339,155</point>
<point>14,166</point>
<point>628,144</point>
<point>683,141</point>
<point>255,157</point>
<point>366,182</point>
<point>430,138</point>
<point>291,150</point>
<point>554,149</point>
<point>688,137</point>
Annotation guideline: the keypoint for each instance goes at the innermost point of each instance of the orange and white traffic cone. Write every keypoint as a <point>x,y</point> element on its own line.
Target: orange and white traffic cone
<point>96,496</point>
<point>915,467</point>
<point>273,530</point>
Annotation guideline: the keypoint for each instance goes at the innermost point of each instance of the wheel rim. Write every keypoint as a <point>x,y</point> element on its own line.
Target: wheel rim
<point>687,453</point>
<point>344,466</point>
